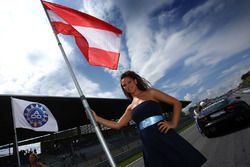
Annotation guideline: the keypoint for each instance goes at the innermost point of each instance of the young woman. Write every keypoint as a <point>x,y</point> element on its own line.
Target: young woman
<point>33,158</point>
<point>162,146</point>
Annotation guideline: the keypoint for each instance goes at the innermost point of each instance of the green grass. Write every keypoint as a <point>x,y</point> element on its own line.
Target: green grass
<point>138,155</point>
<point>186,127</point>
<point>130,160</point>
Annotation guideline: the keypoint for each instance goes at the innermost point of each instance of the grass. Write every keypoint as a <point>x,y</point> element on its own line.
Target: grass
<point>186,127</point>
<point>139,155</point>
<point>130,160</point>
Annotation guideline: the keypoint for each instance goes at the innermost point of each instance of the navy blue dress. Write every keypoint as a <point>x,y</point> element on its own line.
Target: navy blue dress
<point>164,149</point>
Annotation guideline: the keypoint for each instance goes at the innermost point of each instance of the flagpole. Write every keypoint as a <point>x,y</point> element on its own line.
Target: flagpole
<point>82,97</point>
<point>15,135</point>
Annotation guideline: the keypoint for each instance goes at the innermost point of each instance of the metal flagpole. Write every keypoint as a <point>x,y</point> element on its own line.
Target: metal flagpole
<point>83,98</point>
<point>15,134</point>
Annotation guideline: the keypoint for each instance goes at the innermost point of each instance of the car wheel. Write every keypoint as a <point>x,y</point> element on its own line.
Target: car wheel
<point>209,132</point>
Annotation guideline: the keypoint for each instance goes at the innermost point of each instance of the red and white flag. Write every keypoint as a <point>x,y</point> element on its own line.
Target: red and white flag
<point>98,41</point>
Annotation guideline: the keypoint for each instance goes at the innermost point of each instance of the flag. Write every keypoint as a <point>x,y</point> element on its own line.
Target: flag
<point>98,41</point>
<point>33,115</point>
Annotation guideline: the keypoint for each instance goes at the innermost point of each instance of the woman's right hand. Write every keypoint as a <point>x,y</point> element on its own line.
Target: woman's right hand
<point>94,114</point>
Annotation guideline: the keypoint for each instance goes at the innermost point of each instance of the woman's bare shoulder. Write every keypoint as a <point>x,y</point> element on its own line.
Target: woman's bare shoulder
<point>153,91</point>
<point>40,164</point>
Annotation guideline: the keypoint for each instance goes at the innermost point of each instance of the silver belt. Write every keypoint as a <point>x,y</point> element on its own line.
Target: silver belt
<point>150,121</point>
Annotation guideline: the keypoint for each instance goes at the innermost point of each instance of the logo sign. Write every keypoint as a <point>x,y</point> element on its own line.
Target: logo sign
<point>36,115</point>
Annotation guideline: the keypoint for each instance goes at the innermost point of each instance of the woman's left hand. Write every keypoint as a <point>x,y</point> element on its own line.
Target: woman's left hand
<point>164,126</point>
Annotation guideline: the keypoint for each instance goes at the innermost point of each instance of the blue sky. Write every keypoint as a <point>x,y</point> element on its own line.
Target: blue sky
<point>189,49</point>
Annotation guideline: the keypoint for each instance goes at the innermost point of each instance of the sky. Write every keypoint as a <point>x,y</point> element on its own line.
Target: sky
<point>191,50</point>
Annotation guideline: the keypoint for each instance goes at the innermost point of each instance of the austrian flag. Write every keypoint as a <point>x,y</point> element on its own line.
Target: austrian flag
<point>98,41</point>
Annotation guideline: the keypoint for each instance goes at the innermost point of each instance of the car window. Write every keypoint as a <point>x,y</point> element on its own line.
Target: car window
<point>215,105</point>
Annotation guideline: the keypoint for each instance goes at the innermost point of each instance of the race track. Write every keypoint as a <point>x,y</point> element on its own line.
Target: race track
<point>225,150</point>
<point>231,149</point>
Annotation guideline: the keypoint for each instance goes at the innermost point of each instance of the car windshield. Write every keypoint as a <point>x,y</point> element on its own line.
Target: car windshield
<point>215,105</point>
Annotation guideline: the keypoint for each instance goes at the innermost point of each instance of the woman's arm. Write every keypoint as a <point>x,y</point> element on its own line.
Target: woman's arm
<point>177,106</point>
<point>123,121</point>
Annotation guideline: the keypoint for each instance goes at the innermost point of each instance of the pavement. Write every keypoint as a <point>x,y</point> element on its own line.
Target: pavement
<point>203,144</point>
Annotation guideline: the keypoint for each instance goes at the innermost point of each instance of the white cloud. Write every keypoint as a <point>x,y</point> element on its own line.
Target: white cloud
<point>169,51</point>
<point>188,97</point>
<point>23,40</point>
<point>211,6</point>
<point>140,40</point>
<point>31,62</point>
<point>228,82</point>
<point>30,57</point>
<point>92,7</point>
<point>225,42</point>
<point>191,80</point>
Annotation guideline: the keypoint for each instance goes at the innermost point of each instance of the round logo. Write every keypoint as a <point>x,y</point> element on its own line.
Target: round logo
<point>36,115</point>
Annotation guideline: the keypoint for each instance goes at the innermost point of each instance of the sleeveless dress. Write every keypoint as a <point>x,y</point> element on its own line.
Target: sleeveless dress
<point>163,149</point>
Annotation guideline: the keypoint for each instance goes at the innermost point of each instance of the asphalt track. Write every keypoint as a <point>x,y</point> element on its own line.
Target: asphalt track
<point>230,147</point>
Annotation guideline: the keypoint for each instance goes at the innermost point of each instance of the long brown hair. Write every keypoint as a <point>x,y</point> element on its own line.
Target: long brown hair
<point>142,83</point>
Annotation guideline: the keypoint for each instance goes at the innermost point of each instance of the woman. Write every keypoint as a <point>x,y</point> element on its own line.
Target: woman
<point>33,158</point>
<point>162,146</point>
